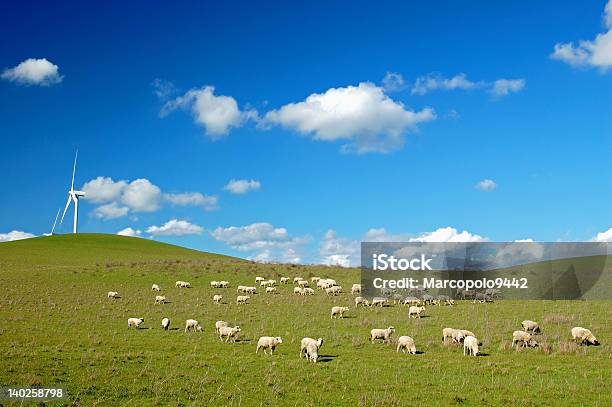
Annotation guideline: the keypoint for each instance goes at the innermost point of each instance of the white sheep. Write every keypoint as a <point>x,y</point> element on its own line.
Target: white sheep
<point>335,311</point>
<point>530,326</point>
<point>217,298</point>
<point>333,290</point>
<point>113,294</point>
<point>259,279</point>
<point>250,290</point>
<point>268,342</point>
<point>356,289</point>
<point>361,301</point>
<point>271,290</point>
<point>135,322</point>
<point>379,301</point>
<point>451,333</point>
<point>314,279</point>
<point>296,279</point>
<point>192,325</point>
<point>302,283</point>
<point>284,280</point>
<point>406,342</point>
<point>524,337</point>
<point>307,291</point>
<point>383,334</point>
<point>223,284</point>
<point>220,324</point>
<point>297,290</point>
<point>228,333</point>
<point>242,299</point>
<point>412,301</point>
<point>467,333</point>
<point>178,283</point>
<point>160,299</point>
<point>584,335</point>
<point>185,284</point>
<point>312,353</point>
<point>165,324</point>
<point>214,284</point>
<point>470,345</point>
<point>415,311</point>
<point>155,287</point>
<point>309,341</point>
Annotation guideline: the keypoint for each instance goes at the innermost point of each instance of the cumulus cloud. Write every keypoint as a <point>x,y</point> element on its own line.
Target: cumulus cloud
<point>207,202</point>
<point>217,114</point>
<point>363,116</point>
<point>486,185</point>
<point>175,227</point>
<point>129,232</point>
<point>503,87</point>
<point>435,81</point>
<point>119,198</point>
<point>448,234</point>
<point>605,236</point>
<point>338,251</point>
<point>242,186</point>
<point>393,82</point>
<point>269,242</point>
<point>110,211</point>
<point>15,235</point>
<point>589,53</point>
<point>33,72</point>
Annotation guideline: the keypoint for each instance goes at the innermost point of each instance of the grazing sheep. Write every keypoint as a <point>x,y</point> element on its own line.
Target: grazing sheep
<point>192,325</point>
<point>220,324</point>
<point>259,279</point>
<point>267,283</point>
<point>185,284</point>
<point>165,324</point>
<point>530,326</point>
<point>312,352</point>
<point>268,342</point>
<point>338,311</point>
<point>412,301</point>
<point>415,311</point>
<point>470,345</point>
<point>296,279</point>
<point>360,300</point>
<point>334,290</point>
<point>178,283</point>
<point>524,337</point>
<point>160,299</point>
<point>228,333</point>
<point>467,333</point>
<point>135,322</point>
<point>302,283</point>
<point>242,299</point>
<point>379,301</point>
<point>223,284</point>
<point>384,334</point>
<point>241,288</point>
<point>406,342</point>
<point>482,297</point>
<point>315,279</point>
<point>307,291</point>
<point>217,298</point>
<point>492,292</point>
<point>270,289</point>
<point>214,284</point>
<point>113,294</point>
<point>297,290</point>
<point>454,334</point>
<point>356,289</point>
<point>582,335</point>
<point>427,299</point>
<point>155,287</point>
<point>250,290</point>
<point>331,281</point>
<point>309,341</point>
<point>284,280</point>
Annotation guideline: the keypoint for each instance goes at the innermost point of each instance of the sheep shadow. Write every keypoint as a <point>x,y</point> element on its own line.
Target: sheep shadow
<point>243,340</point>
<point>326,358</point>
<point>483,354</point>
<point>174,329</point>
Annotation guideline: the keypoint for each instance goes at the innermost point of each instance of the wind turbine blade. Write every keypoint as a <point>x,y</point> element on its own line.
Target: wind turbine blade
<point>65,209</point>
<point>55,222</point>
<point>74,170</point>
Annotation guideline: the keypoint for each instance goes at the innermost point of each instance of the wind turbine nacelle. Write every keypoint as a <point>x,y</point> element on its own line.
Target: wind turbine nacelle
<point>79,193</point>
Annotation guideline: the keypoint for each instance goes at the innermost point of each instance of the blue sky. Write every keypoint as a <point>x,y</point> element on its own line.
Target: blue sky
<point>186,98</point>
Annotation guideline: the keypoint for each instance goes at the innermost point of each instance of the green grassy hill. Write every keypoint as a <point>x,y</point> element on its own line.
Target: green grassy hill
<point>60,329</point>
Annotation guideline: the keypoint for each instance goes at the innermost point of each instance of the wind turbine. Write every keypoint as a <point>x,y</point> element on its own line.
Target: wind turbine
<point>73,196</point>
<point>54,222</point>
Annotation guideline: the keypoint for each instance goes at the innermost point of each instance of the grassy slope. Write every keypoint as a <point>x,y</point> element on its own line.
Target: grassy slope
<point>60,330</point>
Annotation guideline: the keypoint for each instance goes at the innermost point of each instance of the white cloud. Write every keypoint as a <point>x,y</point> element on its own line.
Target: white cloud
<point>129,232</point>
<point>218,114</point>
<point>363,116</point>
<point>33,72</point>
<point>605,236</point>
<point>15,235</point>
<point>381,235</point>
<point>503,87</point>
<point>448,234</point>
<point>175,227</point>
<point>207,202</point>
<point>110,211</point>
<point>103,189</point>
<point>338,251</point>
<point>528,240</point>
<point>162,88</point>
<point>486,185</point>
<point>393,82</point>
<point>596,53</point>
<point>434,81</point>
<point>242,186</point>
<point>141,195</point>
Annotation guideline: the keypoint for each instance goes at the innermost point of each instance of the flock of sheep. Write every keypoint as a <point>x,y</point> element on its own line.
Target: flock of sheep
<point>310,347</point>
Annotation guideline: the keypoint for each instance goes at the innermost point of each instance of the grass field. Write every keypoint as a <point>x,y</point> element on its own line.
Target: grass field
<point>60,330</point>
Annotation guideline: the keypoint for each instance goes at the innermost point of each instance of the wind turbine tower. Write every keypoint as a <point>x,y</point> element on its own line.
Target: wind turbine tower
<point>73,197</point>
